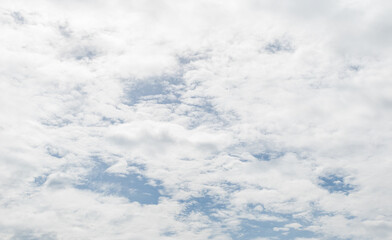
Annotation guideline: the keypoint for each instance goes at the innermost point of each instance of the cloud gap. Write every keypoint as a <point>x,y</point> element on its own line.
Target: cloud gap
<point>161,89</point>
<point>134,187</point>
<point>335,183</point>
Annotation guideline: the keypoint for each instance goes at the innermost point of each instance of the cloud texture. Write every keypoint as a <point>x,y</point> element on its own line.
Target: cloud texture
<point>242,120</point>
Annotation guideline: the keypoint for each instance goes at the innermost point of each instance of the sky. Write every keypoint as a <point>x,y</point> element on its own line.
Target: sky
<point>185,119</point>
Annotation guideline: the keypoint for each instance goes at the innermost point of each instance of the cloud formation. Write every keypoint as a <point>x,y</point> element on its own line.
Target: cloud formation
<point>242,120</point>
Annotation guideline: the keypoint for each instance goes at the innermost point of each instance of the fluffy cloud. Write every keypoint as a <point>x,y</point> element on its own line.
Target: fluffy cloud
<point>195,120</point>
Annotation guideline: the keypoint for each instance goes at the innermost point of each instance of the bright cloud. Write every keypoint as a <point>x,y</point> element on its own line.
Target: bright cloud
<point>224,120</point>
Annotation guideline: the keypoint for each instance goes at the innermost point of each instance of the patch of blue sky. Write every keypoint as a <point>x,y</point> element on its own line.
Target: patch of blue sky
<point>161,89</point>
<point>30,235</point>
<point>257,150</point>
<point>251,229</point>
<point>230,187</point>
<point>134,187</point>
<point>168,90</point>
<point>267,156</point>
<point>192,57</point>
<point>205,105</point>
<point>40,180</point>
<point>279,228</point>
<point>207,205</point>
<point>112,121</point>
<point>205,112</point>
<point>334,183</point>
<point>317,213</point>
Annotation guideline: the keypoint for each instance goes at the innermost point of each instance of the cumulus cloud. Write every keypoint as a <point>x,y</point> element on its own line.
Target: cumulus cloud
<point>195,120</point>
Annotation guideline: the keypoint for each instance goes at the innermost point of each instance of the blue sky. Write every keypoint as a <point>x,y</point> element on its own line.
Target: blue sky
<point>221,120</point>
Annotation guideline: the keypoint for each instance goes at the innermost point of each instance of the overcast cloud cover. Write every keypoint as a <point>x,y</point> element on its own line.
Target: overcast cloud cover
<point>173,119</point>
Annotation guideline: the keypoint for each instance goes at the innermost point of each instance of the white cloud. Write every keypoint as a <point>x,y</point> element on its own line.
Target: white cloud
<point>244,109</point>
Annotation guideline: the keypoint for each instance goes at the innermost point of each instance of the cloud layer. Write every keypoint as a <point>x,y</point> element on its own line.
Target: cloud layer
<point>243,120</point>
